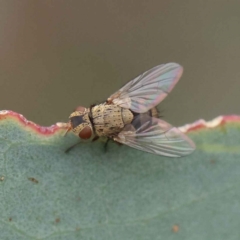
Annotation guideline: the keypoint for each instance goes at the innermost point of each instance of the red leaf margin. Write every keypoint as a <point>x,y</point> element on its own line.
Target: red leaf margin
<point>218,121</point>
<point>50,130</point>
<point>60,126</point>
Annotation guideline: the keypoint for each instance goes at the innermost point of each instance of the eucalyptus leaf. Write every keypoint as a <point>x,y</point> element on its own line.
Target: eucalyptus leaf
<point>120,194</point>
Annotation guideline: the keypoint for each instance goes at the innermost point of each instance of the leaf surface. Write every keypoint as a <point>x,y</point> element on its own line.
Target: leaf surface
<point>121,194</point>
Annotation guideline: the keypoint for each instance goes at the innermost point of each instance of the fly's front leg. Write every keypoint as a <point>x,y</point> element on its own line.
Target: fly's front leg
<point>95,138</point>
<point>70,148</point>
<point>74,145</point>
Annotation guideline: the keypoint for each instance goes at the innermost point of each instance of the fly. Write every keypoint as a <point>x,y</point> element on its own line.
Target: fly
<point>129,115</point>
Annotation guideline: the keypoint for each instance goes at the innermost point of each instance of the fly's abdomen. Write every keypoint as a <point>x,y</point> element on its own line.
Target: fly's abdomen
<point>109,120</point>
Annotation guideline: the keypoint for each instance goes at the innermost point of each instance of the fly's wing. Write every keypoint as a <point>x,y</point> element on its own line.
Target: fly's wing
<point>149,89</point>
<point>155,136</point>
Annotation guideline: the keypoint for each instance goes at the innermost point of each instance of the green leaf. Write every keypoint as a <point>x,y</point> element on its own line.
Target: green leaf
<point>121,194</point>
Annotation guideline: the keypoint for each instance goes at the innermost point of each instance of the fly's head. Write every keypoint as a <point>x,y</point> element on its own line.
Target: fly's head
<point>80,123</point>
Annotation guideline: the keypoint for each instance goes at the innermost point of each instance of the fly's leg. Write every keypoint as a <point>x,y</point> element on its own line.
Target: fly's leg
<point>70,148</point>
<point>95,138</point>
<point>74,145</point>
<point>92,106</point>
<point>105,145</point>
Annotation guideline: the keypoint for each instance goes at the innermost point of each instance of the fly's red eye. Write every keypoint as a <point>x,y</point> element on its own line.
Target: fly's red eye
<point>80,109</point>
<point>86,133</point>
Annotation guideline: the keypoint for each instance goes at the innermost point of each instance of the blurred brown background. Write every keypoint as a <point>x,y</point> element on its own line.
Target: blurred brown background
<point>56,55</point>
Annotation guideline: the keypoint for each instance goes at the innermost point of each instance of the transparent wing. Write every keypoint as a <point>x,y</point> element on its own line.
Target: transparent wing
<point>155,136</point>
<point>149,89</point>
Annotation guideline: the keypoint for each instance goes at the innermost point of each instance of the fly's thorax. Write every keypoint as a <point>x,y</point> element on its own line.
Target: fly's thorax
<point>81,124</point>
<point>109,120</point>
